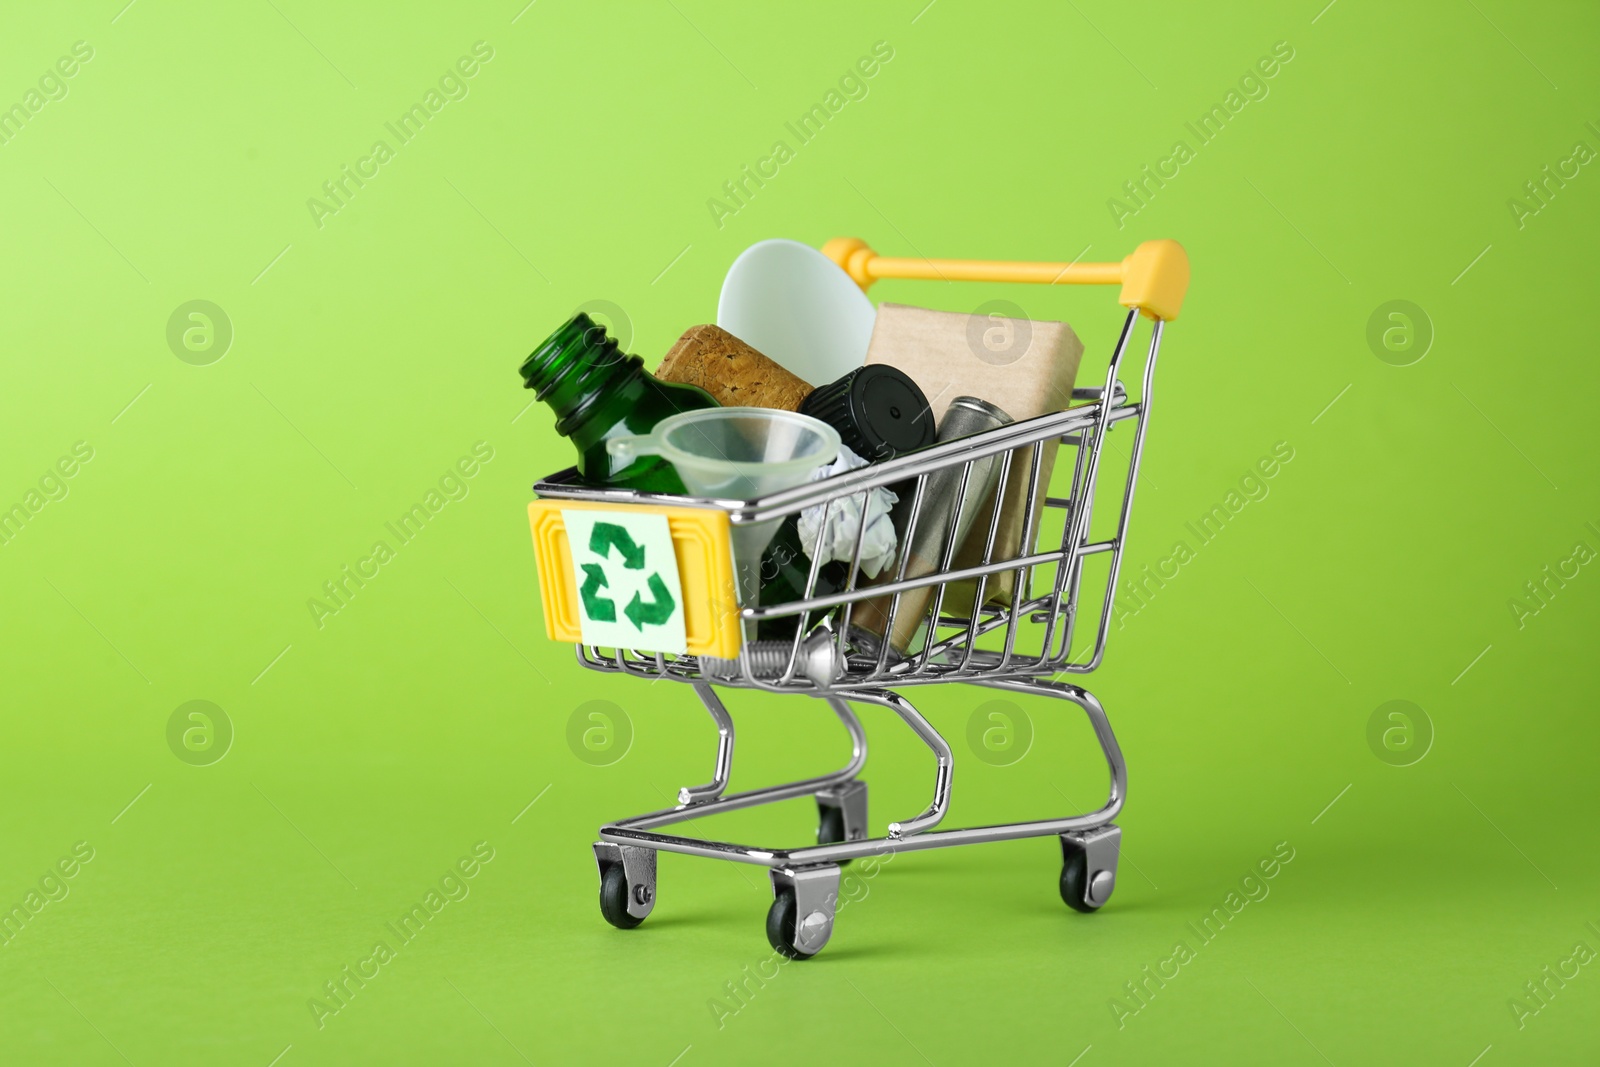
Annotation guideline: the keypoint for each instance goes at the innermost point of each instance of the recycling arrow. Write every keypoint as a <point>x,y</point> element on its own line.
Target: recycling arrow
<point>659,611</point>
<point>596,606</point>
<point>606,534</point>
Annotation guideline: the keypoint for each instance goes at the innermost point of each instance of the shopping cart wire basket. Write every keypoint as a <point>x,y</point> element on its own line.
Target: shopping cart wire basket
<point>1019,640</point>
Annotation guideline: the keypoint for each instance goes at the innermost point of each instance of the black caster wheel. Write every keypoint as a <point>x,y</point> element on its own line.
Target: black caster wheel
<point>830,828</point>
<point>1089,867</point>
<point>1075,882</point>
<point>614,899</point>
<point>781,919</point>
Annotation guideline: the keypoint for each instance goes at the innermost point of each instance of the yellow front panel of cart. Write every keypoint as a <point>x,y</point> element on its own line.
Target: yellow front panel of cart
<point>643,577</point>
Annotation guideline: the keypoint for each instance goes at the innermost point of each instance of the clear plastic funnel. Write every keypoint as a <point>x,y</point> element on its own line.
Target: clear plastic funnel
<point>738,454</point>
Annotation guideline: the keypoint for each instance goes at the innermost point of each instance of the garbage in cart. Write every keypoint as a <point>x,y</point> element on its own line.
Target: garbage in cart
<point>814,495</point>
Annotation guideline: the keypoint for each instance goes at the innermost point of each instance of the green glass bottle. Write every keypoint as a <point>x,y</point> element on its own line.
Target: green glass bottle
<point>785,569</point>
<point>598,392</point>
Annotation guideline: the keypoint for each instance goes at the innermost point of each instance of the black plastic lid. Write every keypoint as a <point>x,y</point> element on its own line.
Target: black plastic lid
<point>879,412</point>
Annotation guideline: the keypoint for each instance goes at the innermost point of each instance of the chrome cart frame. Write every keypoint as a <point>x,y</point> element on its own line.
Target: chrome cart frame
<point>1018,645</point>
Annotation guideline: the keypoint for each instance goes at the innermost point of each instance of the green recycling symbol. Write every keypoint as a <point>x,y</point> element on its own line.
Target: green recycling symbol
<point>603,609</point>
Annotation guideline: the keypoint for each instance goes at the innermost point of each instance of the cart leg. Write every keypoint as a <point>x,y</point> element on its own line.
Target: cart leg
<point>801,918</point>
<point>935,811</point>
<point>627,883</point>
<point>699,794</point>
<point>1096,713</point>
<point>1088,856</point>
<point>858,736</point>
<point>1089,866</point>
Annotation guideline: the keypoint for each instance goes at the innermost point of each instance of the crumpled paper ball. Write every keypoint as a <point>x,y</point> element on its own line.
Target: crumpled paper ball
<point>878,541</point>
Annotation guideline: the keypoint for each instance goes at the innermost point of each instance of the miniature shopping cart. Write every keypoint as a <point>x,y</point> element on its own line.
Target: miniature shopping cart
<point>1019,642</point>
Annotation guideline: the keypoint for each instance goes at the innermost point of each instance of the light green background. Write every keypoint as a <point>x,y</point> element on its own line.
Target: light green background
<point>373,352</point>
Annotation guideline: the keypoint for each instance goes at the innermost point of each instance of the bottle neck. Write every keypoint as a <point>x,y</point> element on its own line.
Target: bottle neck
<point>575,368</point>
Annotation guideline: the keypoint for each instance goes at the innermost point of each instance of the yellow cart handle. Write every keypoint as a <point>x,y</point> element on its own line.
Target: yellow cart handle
<point>1153,279</point>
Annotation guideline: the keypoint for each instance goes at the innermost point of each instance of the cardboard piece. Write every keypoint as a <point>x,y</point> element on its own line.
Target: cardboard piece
<point>1024,367</point>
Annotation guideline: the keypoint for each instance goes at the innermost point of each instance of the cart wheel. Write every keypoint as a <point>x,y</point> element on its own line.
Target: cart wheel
<point>614,899</point>
<point>830,828</point>
<point>781,918</point>
<point>842,814</point>
<point>1089,867</point>
<point>1075,883</point>
<point>800,920</point>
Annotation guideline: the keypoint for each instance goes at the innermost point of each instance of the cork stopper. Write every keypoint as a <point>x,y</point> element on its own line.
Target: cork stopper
<point>735,374</point>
